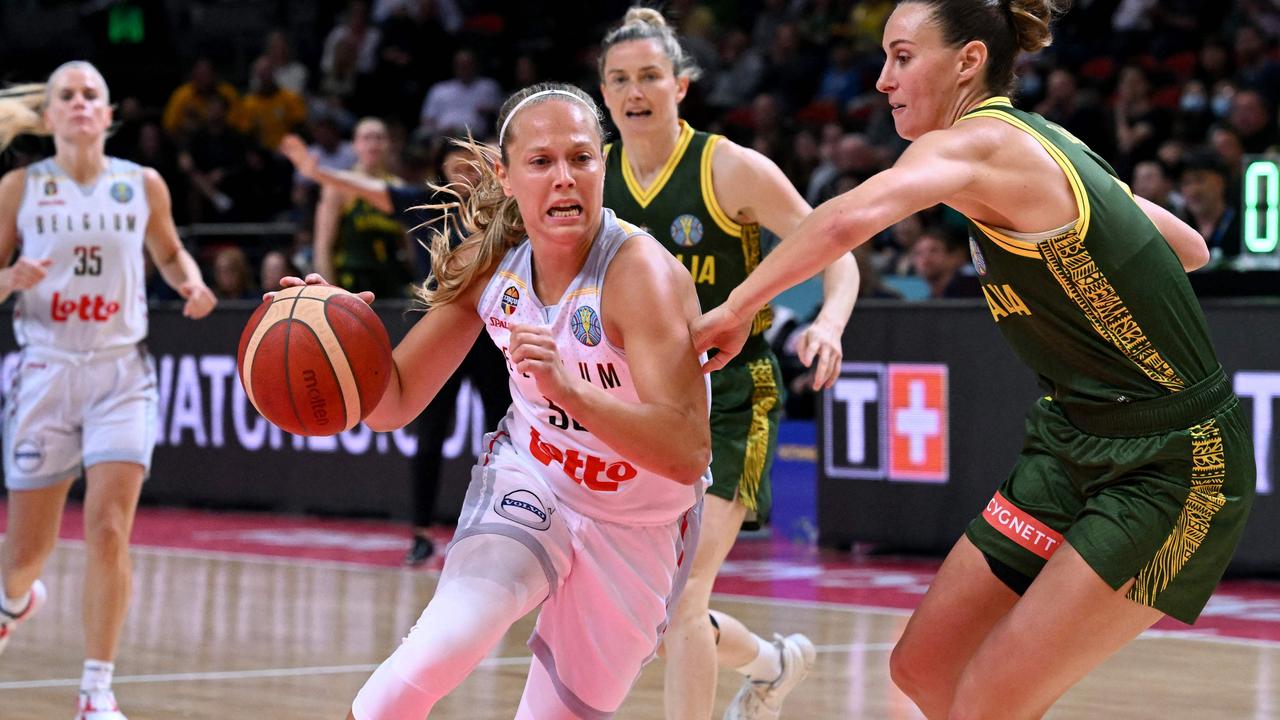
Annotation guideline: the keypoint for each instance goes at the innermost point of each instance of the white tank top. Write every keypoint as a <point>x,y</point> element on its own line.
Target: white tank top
<point>94,297</point>
<point>582,470</point>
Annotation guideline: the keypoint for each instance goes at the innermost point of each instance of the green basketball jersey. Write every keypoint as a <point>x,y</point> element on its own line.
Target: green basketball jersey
<point>367,238</point>
<point>1103,312</point>
<point>681,211</point>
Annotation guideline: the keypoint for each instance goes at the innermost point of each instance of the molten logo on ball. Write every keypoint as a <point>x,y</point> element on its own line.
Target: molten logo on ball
<point>315,360</point>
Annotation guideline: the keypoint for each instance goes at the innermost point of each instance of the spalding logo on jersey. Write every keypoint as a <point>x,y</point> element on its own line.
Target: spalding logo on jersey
<point>979,262</point>
<point>121,192</point>
<point>686,230</point>
<point>586,326</point>
<point>510,298</point>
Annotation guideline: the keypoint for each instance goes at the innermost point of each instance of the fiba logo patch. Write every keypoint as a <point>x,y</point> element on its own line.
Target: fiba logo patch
<point>50,188</point>
<point>686,230</point>
<point>121,192</point>
<point>28,455</point>
<point>586,326</point>
<point>525,508</point>
<point>979,262</point>
<point>510,298</point>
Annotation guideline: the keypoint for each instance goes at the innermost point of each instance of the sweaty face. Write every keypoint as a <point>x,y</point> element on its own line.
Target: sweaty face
<point>555,170</point>
<point>919,74</point>
<point>640,87</point>
<point>78,107</point>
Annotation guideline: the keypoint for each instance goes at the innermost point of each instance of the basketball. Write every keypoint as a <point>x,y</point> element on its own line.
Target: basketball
<point>315,360</point>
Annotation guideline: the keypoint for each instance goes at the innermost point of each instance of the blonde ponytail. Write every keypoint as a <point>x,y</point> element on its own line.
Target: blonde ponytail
<point>20,108</point>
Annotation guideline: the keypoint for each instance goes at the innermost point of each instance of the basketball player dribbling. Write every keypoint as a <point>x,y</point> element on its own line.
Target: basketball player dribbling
<point>706,198</point>
<point>1137,471</point>
<point>84,394</point>
<point>586,503</point>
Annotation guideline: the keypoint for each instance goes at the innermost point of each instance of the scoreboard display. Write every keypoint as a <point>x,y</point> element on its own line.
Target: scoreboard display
<point>1261,219</point>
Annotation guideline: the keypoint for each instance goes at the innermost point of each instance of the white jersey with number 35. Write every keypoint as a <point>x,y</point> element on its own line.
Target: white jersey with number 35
<point>584,472</point>
<point>95,294</point>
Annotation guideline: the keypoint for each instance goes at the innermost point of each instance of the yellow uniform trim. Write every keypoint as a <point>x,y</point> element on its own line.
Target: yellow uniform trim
<point>1208,470</point>
<point>644,196</point>
<point>1008,244</point>
<point>718,214</point>
<point>593,290</point>
<point>627,227</point>
<point>764,397</point>
<point>1070,263</point>
<point>607,148</point>
<point>513,278</point>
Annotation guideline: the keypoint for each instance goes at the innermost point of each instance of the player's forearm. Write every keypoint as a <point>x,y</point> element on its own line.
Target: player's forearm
<point>671,441</point>
<point>179,269</point>
<point>840,283</point>
<point>371,190</point>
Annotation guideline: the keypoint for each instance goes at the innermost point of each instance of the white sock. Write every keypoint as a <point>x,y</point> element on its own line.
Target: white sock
<point>97,676</point>
<point>767,666</point>
<point>16,605</point>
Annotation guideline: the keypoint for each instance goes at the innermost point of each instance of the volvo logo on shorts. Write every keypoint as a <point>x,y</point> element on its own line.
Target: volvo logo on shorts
<point>686,230</point>
<point>121,192</point>
<point>510,298</point>
<point>979,262</point>
<point>50,188</point>
<point>586,326</point>
<point>28,455</point>
<point>522,506</point>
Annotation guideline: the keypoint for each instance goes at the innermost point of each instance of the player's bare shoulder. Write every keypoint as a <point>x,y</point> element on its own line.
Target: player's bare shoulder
<point>646,272</point>
<point>11,187</point>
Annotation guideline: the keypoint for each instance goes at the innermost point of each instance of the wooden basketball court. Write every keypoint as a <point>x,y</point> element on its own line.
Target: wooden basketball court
<point>215,634</point>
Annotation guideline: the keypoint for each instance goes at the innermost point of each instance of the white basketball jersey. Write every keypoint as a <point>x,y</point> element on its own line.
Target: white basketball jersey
<point>95,294</point>
<point>583,471</point>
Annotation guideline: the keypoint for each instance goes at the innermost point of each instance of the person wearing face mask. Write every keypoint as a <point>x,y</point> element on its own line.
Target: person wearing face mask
<point>83,399</point>
<point>706,199</point>
<point>587,502</point>
<point>1136,475</point>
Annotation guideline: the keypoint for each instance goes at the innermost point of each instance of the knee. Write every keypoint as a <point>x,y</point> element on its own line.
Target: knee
<point>107,536</point>
<point>908,670</point>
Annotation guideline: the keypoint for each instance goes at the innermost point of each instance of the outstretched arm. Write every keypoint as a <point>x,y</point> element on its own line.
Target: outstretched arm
<point>935,168</point>
<point>750,185</point>
<point>371,190</point>
<point>667,431</point>
<point>1187,244</point>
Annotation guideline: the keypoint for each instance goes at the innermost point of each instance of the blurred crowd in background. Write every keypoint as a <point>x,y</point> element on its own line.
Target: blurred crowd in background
<point>1174,93</point>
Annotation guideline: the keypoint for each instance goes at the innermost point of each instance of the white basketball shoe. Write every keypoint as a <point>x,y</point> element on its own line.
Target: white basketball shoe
<point>9,621</point>
<point>758,700</point>
<point>99,705</point>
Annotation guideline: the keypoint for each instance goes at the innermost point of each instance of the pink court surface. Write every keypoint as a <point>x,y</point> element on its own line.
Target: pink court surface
<point>232,610</point>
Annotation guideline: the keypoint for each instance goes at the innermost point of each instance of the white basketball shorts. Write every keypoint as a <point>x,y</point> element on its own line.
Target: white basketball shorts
<point>612,585</point>
<point>66,411</point>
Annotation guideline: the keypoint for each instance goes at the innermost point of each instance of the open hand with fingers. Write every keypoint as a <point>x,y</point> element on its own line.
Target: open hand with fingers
<point>821,342</point>
<point>533,351</point>
<point>289,281</point>
<point>293,148</point>
<point>722,329</point>
<point>200,300</point>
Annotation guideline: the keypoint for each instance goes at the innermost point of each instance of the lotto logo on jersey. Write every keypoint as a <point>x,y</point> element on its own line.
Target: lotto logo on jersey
<point>586,326</point>
<point>89,308</point>
<point>584,469</point>
<point>887,421</point>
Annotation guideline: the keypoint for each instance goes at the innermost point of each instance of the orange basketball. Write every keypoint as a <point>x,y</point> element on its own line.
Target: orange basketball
<point>315,360</point>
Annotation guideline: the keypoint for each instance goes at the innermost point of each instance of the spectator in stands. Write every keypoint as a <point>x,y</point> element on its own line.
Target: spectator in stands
<point>188,106</point>
<point>1225,141</point>
<point>854,155</point>
<point>269,111</point>
<point>1151,180</point>
<point>1204,185</point>
<point>289,73</point>
<point>1251,119</point>
<point>213,157</point>
<point>465,101</point>
<point>790,74</point>
<point>1139,124</point>
<point>357,245</point>
<point>275,265</point>
<point>1064,105</point>
<point>895,258</point>
<point>232,278</point>
<point>740,68</point>
<point>841,82</point>
<point>1255,68</point>
<point>937,256</point>
<point>413,55</point>
<point>353,34</point>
